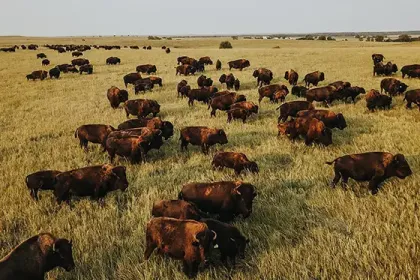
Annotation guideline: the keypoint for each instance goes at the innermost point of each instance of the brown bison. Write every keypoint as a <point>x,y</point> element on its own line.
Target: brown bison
<point>263,75</point>
<point>183,91</point>
<point>116,96</point>
<point>245,105</point>
<point>229,80</point>
<point>186,240</point>
<point>202,136</point>
<point>218,65</point>
<point>393,86</point>
<point>35,257</point>
<point>177,209</point>
<point>41,180</point>
<point>94,181</point>
<point>180,85</point>
<point>94,133</point>
<point>412,96</point>
<point>236,161</point>
<point>38,75</point>
<point>113,60</point>
<point>378,101</point>
<point>239,64</point>
<point>227,198</point>
<point>205,60</point>
<point>381,69</point>
<point>377,58</point>
<point>273,92</point>
<point>313,130</point>
<point>131,78</point>
<point>45,62</point>
<point>76,54</point>
<point>224,102</point>
<point>344,94</point>
<point>141,107</point>
<point>88,68</point>
<point>79,62</point>
<point>201,94</point>
<point>41,55</point>
<point>407,68</point>
<point>185,70</point>
<point>238,113</point>
<point>322,94</point>
<point>237,84</point>
<point>299,91</point>
<point>229,240</point>
<point>314,78</point>
<point>374,167</point>
<point>166,127</point>
<point>168,50</point>
<point>203,81</point>
<point>415,73</point>
<point>146,68</point>
<point>329,118</point>
<point>292,108</point>
<point>292,76</point>
<point>128,146</point>
<point>143,85</point>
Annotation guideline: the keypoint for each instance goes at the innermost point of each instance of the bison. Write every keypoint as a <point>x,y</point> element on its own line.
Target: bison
<point>202,136</point>
<point>76,54</point>
<point>229,80</point>
<point>41,180</point>
<point>239,64</point>
<point>116,96</point>
<point>143,85</point>
<point>113,60</point>
<point>94,133</point>
<point>185,70</point>
<point>41,55</point>
<point>322,94</point>
<point>166,127</point>
<point>141,107</point>
<point>201,94</point>
<point>238,113</point>
<point>292,76</point>
<point>313,130</point>
<point>223,102</point>
<point>377,58</point>
<point>40,75</point>
<point>263,75</point>
<point>146,68</point>
<point>245,105</point>
<point>393,86</point>
<point>374,167</point>
<point>88,68</point>
<point>412,96</point>
<point>236,161</point>
<point>45,62</point>
<point>299,91</point>
<point>79,62</point>
<point>218,65</point>
<point>205,60</point>
<point>329,118</point>
<point>273,92</point>
<point>314,78</point>
<point>344,94</point>
<point>131,78</point>
<point>54,73</point>
<point>407,68</point>
<point>177,209</point>
<point>203,81</point>
<point>292,108</point>
<point>384,69</point>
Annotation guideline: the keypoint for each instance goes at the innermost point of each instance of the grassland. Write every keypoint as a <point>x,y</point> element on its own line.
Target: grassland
<point>300,227</point>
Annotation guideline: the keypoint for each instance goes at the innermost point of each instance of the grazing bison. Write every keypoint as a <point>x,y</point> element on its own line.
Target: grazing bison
<point>177,209</point>
<point>237,84</point>
<point>40,75</point>
<point>54,73</point>
<point>94,133</point>
<point>341,84</point>
<point>183,89</point>
<point>236,161</point>
<point>273,92</point>
<point>299,91</point>
<point>377,58</point>
<point>72,69</point>
<point>41,180</point>
<point>380,101</point>
<point>393,86</point>
<point>292,76</point>
<point>239,64</point>
<point>203,81</point>
<point>223,102</point>
<point>113,60</point>
<point>143,85</point>
<point>245,105</point>
<point>344,94</point>
<point>415,73</point>
<point>129,146</point>
<point>185,70</point>
<point>227,198</point>
<point>329,118</point>
<point>94,181</point>
<point>134,47</point>
<point>76,54</point>
<point>407,68</point>
<point>116,96</point>
<point>41,55</point>
<point>64,67</point>
<point>186,240</point>
<point>218,65</point>
<point>45,62</point>
<point>131,78</point>
<point>79,62</point>
<point>146,68</point>
<point>168,50</point>
<point>88,68</point>
<point>229,80</point>
<point>313,130</point>
<point>35,257</point>
<point>201,94</point>
<point>238,113</point>
<point>321,94</point>
<point>380,69</point>
<point>412,96</point>
<point>314,78</point>
<point>229,240</point>
<point>202,136</point>
<point>292,108</point>
<point>263,75</point>
<point>205,60</point>
<point>141,107</point>
<point>166,127</point>
<point>374,167</point>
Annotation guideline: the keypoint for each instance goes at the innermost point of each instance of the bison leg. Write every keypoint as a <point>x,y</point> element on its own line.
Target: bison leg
<point>408,106</point>
<point>204,149</point>
<point>213,112</point>
<point>243,119</point>
<point>344,181</point>
<point>337,178</point>
<point>150,247</point>
<point>34,194</point>
<point>184,145</point>
<point>84,144</point>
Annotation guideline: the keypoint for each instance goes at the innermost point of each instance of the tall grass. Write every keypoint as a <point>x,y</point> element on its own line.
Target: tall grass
<point>300,228</point>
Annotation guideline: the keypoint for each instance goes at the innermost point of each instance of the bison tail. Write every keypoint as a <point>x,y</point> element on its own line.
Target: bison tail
<point>330,162</point>
<point>76,132</point>
<point>180,196</point>
<point>278,108</point>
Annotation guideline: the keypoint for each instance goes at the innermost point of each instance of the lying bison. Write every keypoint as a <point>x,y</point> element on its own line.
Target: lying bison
<point>202,136</point>
<point>314,78</point>
<point>227,199</point>
<point>374,167</point>
<point>239,64</point>
<point>116,96</point>
<point>236,161</point>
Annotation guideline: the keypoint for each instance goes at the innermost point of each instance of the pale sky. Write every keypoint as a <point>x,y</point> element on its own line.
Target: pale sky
<point>215,17</point>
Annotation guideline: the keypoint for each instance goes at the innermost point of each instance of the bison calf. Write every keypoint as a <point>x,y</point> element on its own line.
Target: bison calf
<point>236,161</point>
<point>41,180</point>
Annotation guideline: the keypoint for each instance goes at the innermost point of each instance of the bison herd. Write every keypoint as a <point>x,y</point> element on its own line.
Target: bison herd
<point>189,227</point>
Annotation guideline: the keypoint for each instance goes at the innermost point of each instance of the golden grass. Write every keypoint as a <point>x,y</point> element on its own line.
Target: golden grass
<point>300,227</point>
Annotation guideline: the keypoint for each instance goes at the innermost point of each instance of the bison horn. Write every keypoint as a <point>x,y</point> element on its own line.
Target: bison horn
<point>233,240</point>
<point>53,247</point>
<point>215,235</point>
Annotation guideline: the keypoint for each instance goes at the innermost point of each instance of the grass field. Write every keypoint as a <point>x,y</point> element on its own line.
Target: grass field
<point>300,228</point>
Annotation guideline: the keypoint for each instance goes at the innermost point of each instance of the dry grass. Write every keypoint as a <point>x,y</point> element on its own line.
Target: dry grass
<point>300,228</point>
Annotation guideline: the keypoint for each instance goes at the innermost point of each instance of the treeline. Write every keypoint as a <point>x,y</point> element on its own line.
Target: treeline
<point>385,38</point>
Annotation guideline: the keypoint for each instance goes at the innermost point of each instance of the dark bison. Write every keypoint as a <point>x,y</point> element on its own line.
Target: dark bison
<point>312,130</point>
<point>168,50</point>
<point>94,181</point>
<point>38,75</point>
<point>329,118</point>
<point>377,58</point>
<point>141,107</point>
<point>64,67</point>
<point>54,73</point>
<point>314,78</point>
<point>201,94</point>
<point>292,108</point>
<point>143,85</point>
<point>229,240</point>
<point>35,257</point>
<point>237,113</point>
<point>382,101</point>
<point>182,88</point>
<point>299,91</point>
<point>224,102</point>
<point>146,68</point>
<point>177,209</point>
<point>407,68</point>
<point>203,81</point>
<point>236,161</point>
<point>41,180</point>
<point>412,96</point>
<point>131,78</point>
<point>88,68</point>
<point>374,167</point>
<point>94,133</point>
<point>186,240</point>
<point>79,62</point>
<point>274,92</point>
<point>202,136</point>
<point>205,60</point>
<point>166,127</point>
<point>116,96</point>
<point>227,198</point>
<point>381,69</point>
<point>292,76</point>
<point>218,65</point>
<point>45,62</point>
<point>237,84</point>
<point>76,54</point>
<point>185,69</point>
<point>415,73</point>
<point>41,55</point>
<point>349,92</point>
<point>229,80</point>
<point>245,105</point>
<point>239,64</point>
<point>263,75</point>
<point>393,86</point>
<point>113,60</point>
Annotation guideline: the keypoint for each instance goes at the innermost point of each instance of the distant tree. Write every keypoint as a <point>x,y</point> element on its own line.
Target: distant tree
<point>361,39</point>
<point>368,39</point>
<point>357,36</point>
<point>404,38</point>
<point>322,38</point>
<point>235,38</point>
<point>329,38</point>
<point>225,45</point>
<point>379,38</point>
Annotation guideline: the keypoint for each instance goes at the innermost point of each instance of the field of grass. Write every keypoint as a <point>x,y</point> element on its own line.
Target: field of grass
<point>300,228</point>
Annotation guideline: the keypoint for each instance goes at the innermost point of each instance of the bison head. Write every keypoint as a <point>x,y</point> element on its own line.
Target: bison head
<point>255,74</point>
<point>321,77</point>
<point>325,137</point>
<point>402,87</point>
<point>400,166</point>
<point>167,129</point>
<point>208,82</point>
<point>123,95</point>
<point>221,137</point>
<point>240,98</point>
<point>240,243</point>
<point>120,177</point>
<point>251,167</point>
<point>286,75</point>
<point>394,68</point>
<point>244,195</point>
<point>203,240</point>
<point>62,254</point>
<point>222,78</point>
<point>341,121</point>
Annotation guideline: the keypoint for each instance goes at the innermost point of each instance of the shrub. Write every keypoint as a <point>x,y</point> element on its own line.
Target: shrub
<point>225,45</point>
<point>379,38</point>
<point>329,38</point>
<point>235,38</point>
<point>322,38</point>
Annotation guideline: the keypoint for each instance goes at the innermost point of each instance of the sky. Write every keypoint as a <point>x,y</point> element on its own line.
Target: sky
<point>198,17</point>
